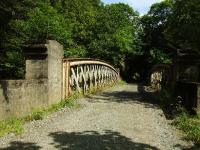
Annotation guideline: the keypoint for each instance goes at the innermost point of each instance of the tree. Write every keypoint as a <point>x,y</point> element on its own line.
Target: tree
<point>155,24</point>
<point>27,22</point>
<point>81,14</point>
<point>86,28</point>
<point>11,60</point>
<point>66,21</point>
<point>115,34</point>
<point>183,30</point>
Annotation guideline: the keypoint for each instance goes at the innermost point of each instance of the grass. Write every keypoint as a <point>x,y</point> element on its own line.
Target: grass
<point>15,125</point>
<point>122,82</point>
<point>189,124</point>
<point>39,114</point>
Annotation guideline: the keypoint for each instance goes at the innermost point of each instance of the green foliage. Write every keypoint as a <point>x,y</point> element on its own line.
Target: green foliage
<point>39,114</point>
<point>158,56</point>
<point>11,60</point>
<point>155,23</point>
<point>172,25</point>
<point>116,34</point>
<point>122,82</point>
<point>89,28</point>
<point>36,115</point>
<point>86,29</point>
<point>190,125</point>
<point>173,106</point>
<point>15,125</point>
<point>11,125</point>
<point>69,102</point>
<point>11,65</point>
<point>46,24</point>
<point>183,29</point>
<point>81,13</point>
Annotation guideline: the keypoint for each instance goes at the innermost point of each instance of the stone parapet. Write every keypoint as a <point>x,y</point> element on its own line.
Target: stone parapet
<point>189,92</point>
<point>42,85</point>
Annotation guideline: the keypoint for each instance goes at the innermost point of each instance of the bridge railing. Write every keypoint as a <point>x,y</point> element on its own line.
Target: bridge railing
<point>83,74</point>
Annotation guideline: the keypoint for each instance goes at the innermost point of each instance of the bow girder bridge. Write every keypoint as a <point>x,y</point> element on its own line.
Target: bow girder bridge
<point>83,74</point>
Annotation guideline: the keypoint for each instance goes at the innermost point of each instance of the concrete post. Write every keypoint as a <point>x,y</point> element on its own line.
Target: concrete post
<point>45,61</point>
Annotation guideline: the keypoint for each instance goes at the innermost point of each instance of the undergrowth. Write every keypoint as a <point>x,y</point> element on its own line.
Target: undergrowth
<point>15,125</point>
<point>189,124</point>
<point>122,82</point>
<point>39,114</point>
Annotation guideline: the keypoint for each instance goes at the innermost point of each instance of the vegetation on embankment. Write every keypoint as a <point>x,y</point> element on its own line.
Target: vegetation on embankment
<point>182,119</point>
<point>15,125</point>
<point>190,125</point>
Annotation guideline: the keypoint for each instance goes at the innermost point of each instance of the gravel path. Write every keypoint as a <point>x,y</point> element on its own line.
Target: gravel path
<point>118,119</point>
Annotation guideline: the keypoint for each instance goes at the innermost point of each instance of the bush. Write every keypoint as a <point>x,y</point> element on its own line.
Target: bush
<point>190,125</point>
<point>36,115</point>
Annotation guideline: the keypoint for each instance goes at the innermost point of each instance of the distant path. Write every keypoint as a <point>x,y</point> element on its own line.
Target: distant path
<point>118,119</point>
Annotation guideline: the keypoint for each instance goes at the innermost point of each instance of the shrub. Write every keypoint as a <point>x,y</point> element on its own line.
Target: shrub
<point>190,125</point>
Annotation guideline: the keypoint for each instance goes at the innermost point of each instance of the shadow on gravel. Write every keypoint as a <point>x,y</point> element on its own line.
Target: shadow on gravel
<point>191,148</point>
<point>92,140</point>
<point>150,96</point>
<point>21,146</point>
<point>139,97</point>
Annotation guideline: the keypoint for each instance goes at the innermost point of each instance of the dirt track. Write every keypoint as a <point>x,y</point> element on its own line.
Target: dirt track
<point>118,119</point>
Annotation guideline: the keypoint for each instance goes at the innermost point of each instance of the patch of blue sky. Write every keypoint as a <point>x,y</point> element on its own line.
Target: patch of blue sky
<point>142,6</point>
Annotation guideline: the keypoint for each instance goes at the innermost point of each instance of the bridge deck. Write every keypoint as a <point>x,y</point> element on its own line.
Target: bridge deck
<point>118,119</point>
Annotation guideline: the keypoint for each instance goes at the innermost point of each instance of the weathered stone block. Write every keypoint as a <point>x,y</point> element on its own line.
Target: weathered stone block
<point>42,85</point>
<point>190,94</point>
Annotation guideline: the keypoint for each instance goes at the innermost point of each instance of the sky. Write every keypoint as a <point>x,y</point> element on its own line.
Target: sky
<point>142,6</point>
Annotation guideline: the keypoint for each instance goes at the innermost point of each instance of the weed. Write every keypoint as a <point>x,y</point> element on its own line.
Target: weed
<point>122,82</point>
<point>15,125</point>
<point>36,115</point>
<point>12,125</point>
<point>190,125</point>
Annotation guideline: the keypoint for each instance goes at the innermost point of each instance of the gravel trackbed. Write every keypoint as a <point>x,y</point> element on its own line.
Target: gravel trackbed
<point>117,119</point>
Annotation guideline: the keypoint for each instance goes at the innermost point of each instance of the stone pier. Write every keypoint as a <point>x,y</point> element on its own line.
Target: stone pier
<point>42,85</point>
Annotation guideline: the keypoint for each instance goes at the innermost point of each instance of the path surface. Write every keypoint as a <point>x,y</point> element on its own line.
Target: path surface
<point>117,119</point>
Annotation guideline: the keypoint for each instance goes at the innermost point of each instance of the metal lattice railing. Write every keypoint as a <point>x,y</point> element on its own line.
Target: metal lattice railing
<point>81,75</point>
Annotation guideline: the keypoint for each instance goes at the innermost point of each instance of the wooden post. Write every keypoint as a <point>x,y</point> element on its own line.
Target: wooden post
<point>64,78</point>
<point>67,84</point>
